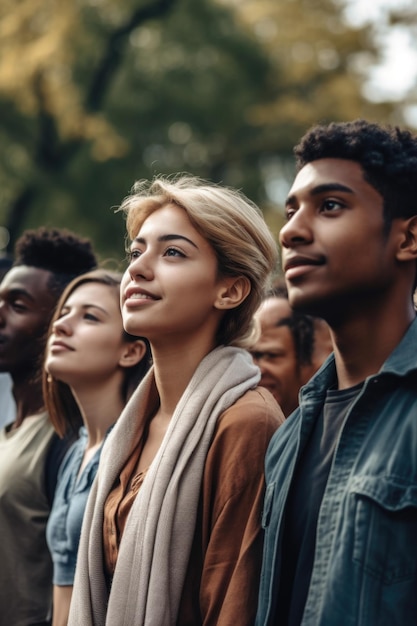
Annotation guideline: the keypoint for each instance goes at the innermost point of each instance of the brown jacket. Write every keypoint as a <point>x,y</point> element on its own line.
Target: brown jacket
<point>221,583</point>
<point>221,586</point>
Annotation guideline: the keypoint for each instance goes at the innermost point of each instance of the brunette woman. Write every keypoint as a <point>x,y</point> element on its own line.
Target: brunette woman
<point>92,366</point>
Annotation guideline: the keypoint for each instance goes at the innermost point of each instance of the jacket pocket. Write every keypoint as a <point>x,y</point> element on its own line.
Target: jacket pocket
<point>385,533</point>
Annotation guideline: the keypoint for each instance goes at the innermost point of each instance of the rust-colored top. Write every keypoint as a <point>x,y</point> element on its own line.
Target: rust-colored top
<point>221,584</point>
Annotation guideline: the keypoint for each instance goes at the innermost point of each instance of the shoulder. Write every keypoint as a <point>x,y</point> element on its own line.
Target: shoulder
<point>246,427</point>
<point>256,409</point>
<point>284,442</point>
<point>54,459</point>
<point>72,455</point>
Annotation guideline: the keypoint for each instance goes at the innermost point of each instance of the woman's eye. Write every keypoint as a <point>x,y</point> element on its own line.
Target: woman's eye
<point>90,316</point>
<point>174,252</point>
<point>133,254</point>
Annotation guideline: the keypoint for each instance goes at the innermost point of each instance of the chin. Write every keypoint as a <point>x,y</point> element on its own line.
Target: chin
<point>131,329</point>
<point>129,324</point>
<point>297,299</point>
<point>310,304</point>
<point>56,373</point>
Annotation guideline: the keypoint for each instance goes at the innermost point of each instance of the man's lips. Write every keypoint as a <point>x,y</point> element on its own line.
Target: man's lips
<point>268,382</point>
<point>298,264</point>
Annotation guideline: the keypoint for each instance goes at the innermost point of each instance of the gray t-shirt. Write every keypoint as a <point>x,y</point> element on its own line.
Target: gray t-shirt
<point>303,506</point>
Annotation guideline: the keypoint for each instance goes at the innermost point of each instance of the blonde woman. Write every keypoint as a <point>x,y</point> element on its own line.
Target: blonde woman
<point>92,366</point>
<point>172,532</point>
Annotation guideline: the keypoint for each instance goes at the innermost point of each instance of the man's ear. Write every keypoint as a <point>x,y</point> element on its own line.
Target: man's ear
<point>133,352</point>
<point>233,291</point>
<point>407,250</point>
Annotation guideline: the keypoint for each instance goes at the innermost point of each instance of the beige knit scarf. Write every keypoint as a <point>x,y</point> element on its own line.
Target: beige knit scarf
<point>155,548</point>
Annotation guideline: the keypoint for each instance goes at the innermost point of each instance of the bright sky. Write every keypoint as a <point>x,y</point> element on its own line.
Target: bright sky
<point>398,71</point>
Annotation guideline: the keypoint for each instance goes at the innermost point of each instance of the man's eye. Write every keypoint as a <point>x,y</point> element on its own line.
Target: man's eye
<point>331,205</point>
<point>19,306</point>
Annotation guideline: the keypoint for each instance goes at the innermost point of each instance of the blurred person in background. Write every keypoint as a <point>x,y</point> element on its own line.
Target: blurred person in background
<point>290,348</point>
<point>92,366</point>
<point>45,261</point>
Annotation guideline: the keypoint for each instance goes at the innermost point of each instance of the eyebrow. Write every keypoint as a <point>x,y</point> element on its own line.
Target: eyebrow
<point>324,188</point>
<point>18,292</point>
<point>172,237</point>
<point>84,307</point>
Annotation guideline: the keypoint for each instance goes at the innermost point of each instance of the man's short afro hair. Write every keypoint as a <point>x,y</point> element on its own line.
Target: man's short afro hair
<point>59,251</point>
<point>386,154</point>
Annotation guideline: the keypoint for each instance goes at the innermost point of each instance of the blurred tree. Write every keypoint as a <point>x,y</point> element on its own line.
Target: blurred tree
<point>404,19</point>
<point>98,93</point>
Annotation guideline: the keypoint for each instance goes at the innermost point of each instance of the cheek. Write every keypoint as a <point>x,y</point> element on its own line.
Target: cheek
<point>278,369</point>
<point>288,370</point>
<point>203,283</point>
<point>123,284</point>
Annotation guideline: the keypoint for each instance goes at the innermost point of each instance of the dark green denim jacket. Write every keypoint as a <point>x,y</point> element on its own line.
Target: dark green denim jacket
<point>365,563</point>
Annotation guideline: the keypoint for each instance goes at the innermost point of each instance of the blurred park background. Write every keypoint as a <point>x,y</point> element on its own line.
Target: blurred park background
<point>95,94</point>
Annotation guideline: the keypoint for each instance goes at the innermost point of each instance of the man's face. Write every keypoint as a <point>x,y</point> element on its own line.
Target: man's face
<point>26,306</point>
<point>275,354</point>
<point>335,253</point>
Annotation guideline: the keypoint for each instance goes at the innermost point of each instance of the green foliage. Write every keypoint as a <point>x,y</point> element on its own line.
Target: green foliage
<point>107,92</point>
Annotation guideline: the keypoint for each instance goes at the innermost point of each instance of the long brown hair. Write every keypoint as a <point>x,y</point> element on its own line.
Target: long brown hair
<point>60,403</point>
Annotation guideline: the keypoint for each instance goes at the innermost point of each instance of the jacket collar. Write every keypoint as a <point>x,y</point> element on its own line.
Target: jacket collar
<point>402,361</point>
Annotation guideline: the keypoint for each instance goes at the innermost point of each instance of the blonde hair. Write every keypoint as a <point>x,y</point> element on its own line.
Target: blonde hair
<point>234,227</point>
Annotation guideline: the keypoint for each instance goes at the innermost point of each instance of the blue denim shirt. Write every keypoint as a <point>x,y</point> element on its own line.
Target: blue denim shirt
<point>365,562</point>
<point>64,524</point>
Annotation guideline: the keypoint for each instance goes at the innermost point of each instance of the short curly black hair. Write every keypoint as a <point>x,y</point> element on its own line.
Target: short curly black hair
<point>387,156</point>
<point>61,252</point>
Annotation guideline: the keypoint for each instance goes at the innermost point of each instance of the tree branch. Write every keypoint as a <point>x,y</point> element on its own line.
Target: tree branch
<point>114,51</point>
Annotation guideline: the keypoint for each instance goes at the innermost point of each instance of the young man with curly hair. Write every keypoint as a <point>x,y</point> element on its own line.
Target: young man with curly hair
<point>340,512</point>
<point>44,263</point>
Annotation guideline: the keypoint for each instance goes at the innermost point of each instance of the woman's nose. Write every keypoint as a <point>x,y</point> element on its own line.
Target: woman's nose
<point>140,267</point>
<point>62,326</point>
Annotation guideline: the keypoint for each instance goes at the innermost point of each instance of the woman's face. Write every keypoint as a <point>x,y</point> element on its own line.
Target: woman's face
<point>171,287</point>
<point>86,343</point>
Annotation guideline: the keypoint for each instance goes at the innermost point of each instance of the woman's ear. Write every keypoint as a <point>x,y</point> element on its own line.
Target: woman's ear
<point>133,352</point>
<point>407,250</point>
<point>233,291</point>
